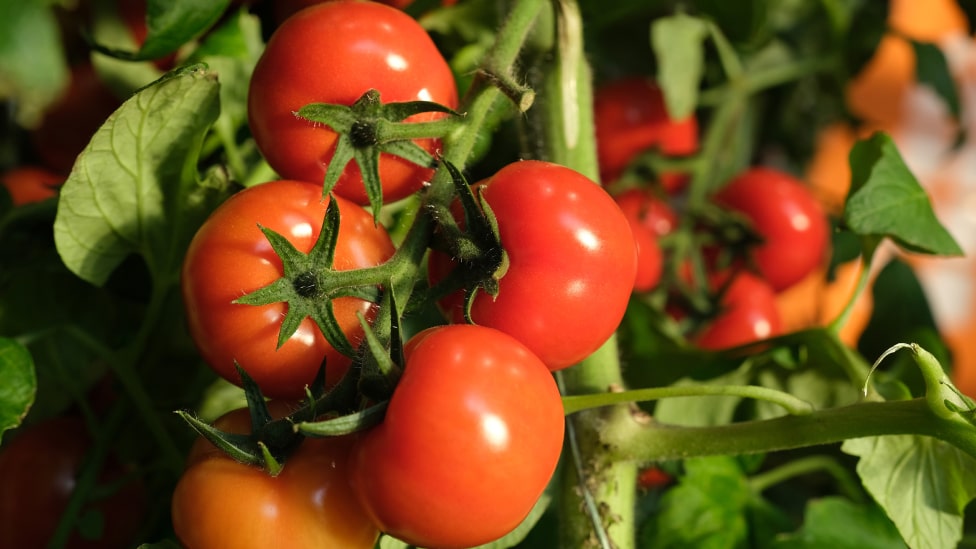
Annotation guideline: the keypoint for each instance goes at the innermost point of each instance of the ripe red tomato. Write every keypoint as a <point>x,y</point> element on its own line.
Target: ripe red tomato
<point>230,257</point>
<point>39,468</point>
<point>630,118</point>
<point>650,218</point>
<point>69,123</point>
<point>748,313</point>
<point>333,52</point>
<point>28,184</point>
<point>470,440</point>
<point>572,262</point>
<point>787,216</point>
<point>219,502</point>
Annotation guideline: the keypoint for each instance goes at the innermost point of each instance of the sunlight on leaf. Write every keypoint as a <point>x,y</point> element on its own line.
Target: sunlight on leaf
<point>134,185</point>
<point>922,483</point>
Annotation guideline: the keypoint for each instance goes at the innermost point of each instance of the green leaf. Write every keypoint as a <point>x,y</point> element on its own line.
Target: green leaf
<point>135,189</point>
<point>932,69</point>
<point>885,199</point>
<point>678,43</point>
<point>841,524</point>
<point>19,383</point>
<point>33,68</point>
<point>712,506</point>
<point>922,483</point>
<point>172,23</point>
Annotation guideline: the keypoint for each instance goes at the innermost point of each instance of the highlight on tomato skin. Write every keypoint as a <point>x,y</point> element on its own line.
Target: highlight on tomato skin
<point>572,262</point>
<point>311,504</point>
<point>334,52</point>
<point>471,437</point>
<point>747,313</point>
<point>787,216</point>
<point>229,256</point>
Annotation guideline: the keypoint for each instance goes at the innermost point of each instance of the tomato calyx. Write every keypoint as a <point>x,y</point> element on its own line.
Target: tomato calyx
<point>310,284</point>
<point>477,247</point>
<point>369,127</point>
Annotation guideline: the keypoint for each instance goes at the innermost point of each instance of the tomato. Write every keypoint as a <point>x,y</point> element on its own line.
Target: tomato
<point>631,118</point>
<point>790,220</point>
<point>28,184</point>
<point>39,469</point>
<point>334,52</point>
<point>285,8</point>
<point>470,440</point>
<point>650,218</point>
<point>69,123</point>
<point>572,262</point>
<point>748,312</point>
<point>230,257</point>
<point>219,502</point>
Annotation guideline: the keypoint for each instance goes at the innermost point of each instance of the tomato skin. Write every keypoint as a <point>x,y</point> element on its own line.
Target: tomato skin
<point>470,440</point>
<point>650,218</point>
<point>70,122</point>
<point>219,502</point>
<point>789,218</point>
<point>29,184</point>
<point>333,52</point>
<point>38,472</point>
<point>230,257</point>
<point>630,118</point>
<point>749,313</point>
<point>572,262</point>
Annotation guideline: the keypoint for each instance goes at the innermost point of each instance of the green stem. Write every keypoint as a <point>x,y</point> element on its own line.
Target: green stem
<point>790,403</point>
<point>659,442</point>
<point>848,485</point>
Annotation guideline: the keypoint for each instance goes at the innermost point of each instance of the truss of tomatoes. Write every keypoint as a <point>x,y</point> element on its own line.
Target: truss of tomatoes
<point>727,295</point>
<point>475,404</point>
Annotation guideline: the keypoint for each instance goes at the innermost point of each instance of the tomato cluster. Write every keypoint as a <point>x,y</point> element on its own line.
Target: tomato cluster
<point>283,281</point>
<point>759,233</point>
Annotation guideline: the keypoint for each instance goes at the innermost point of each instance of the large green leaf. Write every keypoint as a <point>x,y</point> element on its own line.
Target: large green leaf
<point>18,384</point>
<point>922,483</point>
<point>135,189</point>
<point>842,524</point>
<point>33,68</point>
<point>885,199</point>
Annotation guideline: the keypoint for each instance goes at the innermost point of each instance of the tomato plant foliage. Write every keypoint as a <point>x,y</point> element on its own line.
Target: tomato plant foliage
<point>286,214</point>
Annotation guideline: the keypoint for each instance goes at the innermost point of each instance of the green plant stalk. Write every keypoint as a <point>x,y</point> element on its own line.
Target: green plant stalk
<point>658,442</point>
<point>458,146</point>
<point>598,495</point>
<point>847,483</point>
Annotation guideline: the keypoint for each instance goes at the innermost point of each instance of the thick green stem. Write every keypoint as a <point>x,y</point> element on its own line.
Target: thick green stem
<point>658,442</point>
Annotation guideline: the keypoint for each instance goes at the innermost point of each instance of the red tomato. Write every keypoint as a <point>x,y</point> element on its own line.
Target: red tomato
<point>230,257</point>
<point>28,184</point>
<point>650,218</point>
<point>748,313</point>
<point>470,440</point>
<point>334,52</point>
<point>572,262</point>
<point>39,468</point>
<point>219,502</point>
<point>787,216</point>
<point>631,118</point>
<point>70,122</point>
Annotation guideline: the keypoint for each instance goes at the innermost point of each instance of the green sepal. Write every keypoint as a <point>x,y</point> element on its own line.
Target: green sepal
<point>303,285</point>
<point>240,448</point>
<point>346,424</point>
<point>368,128</point>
